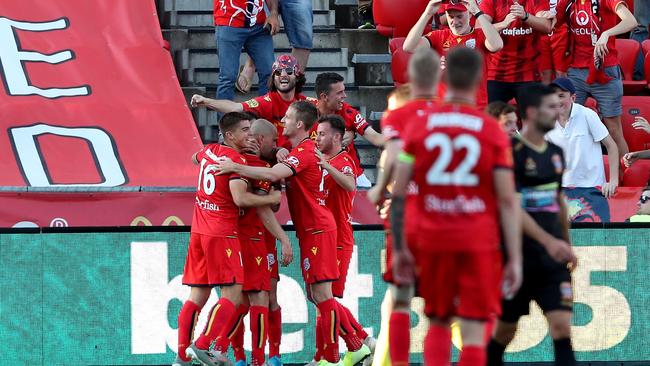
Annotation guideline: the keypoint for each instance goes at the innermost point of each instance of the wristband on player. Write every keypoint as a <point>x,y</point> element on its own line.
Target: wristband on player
<point>526,17</point>
<point>478,14</point>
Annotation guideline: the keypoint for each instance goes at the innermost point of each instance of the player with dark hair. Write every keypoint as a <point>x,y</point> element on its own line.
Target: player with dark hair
<point>214,254</point>
<point>460,161</point>
<point>315,225</point>
<point>340,187</point>
<point>546,250</point>
<point>505,114</point>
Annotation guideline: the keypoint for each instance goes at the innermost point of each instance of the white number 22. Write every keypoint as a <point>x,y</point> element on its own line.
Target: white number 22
<point>461,176</point>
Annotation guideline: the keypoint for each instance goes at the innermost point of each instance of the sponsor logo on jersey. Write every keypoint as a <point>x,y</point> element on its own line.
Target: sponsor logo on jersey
<point>258,260</point>
<point>582,18</point>
<point>229,252</point>
<point>517,31</point>
<point>314,250</point>
<point>359,120</point>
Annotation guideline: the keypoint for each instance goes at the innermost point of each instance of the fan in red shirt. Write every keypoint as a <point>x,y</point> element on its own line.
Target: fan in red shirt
<point>593,26</point>
<point>214,254</point>
<point>423,73</point>
<point>461,162</point>
<point>486,39</point>
<point>340,187</point>
<point>315,225</point>
<point>521,24</point>
<point>285,87</point>
<point>330,94</point>
<point>553,61</point>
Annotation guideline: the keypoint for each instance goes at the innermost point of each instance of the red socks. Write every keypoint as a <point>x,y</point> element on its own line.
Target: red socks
<point>186,322</point>
<point>229,329</point>
<point>437,346</point>
<point>472,356</point>
<point>220,316</point>
<point>347,332</point>
<point>259,321</point>
<point>237,341</point>
<point>275,332</point>
<point>361,333</point>
<point>399,338</point>
<point>320,343</point>
<point>330,320</point>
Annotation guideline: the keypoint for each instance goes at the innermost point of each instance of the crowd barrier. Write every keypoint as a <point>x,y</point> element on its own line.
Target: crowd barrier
<point>102,296</point>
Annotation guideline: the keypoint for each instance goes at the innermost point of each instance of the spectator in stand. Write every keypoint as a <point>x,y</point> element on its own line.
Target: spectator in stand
<point>640,33</point>
<point>579,132</point>
<point>643,214</point>
<point>594,69</point>
<point>461,33</point>
<point>553,62</point>
<point>244,24</point>
<point>297,17</point>
<point>639,123</point>
<point>517,64</point>
<point>505,114</point>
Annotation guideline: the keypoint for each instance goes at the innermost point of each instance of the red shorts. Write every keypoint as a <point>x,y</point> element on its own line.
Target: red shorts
<point>213,261</point>
<point>272,254</point>
<point>318,257</point>
<point>343,258</point>
<point>256,266</point>
<point>464,284</point>
<point>552,51</point>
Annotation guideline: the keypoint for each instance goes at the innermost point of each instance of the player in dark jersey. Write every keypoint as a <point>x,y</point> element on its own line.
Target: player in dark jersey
<point>546,250</point>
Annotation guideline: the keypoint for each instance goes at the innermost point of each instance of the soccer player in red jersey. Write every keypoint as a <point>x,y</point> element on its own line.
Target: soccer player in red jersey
<point>285,87</point>
<point>521,24</point>
<point>213,257</point>
<point>461,162</point>
<point>594,68</point>
<point>315,225</point>
<point>460,33</point>
<point>423,72</point>
<point>330,96</point>
<point>340,188</point>
<point>252,223</point>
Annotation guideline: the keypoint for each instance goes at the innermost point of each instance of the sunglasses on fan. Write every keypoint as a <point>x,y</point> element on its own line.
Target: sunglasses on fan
<point>288,70</point>
<point>644,199</point>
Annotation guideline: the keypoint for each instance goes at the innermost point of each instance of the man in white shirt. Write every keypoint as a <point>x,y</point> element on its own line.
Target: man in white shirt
<point>579,132</point>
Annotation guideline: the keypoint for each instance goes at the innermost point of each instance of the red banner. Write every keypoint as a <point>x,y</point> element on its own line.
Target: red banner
<point>90,97</point>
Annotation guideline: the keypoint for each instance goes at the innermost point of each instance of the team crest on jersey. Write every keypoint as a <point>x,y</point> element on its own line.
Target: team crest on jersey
<point>531,166</point>
<point>557,163</point>
<point>258,260</point>
<point>471,43</point>
<point>305,264</point>
<point>566,293</point>
<point>314,250</point>
<point>293,161</point>
<point>229,252</point>
<point>271,259</point>
<point>253,103</point>
<point>347,170</point>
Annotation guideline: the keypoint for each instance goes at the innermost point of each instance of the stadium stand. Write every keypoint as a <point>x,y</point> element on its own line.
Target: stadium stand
<point>399,60</point>
<point>628,51</point>
<point>635,106</point>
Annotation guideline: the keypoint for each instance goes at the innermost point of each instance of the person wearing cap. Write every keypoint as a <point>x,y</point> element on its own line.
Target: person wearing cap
<point>484,37</point>
<point>580,133</point>
<point>285,87</point>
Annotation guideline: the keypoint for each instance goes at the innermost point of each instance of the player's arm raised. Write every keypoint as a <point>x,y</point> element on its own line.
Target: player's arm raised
<point>403,261</point>
<point>493,41</point>
<point>243,198</point>
<point>219,105</point>
<point>274,174</point>
<point>414,39</point>
<point>510,214</point>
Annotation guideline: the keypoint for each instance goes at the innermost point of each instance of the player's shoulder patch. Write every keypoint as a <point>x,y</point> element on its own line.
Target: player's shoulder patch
<point>252,103</point>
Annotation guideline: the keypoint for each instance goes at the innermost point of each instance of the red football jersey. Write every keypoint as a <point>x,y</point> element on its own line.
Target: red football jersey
<point>455,149</point>
<point>583,24</point>
<point>272,108</point>
<point>339,201</point>
<point>354,121</point>
<point>239,13</point>
<point>215,212</point>
<point>393,122</point>
<point>443,40</point>
<point>518,60</point>
<point>250,225</point>
<point>305,191</point>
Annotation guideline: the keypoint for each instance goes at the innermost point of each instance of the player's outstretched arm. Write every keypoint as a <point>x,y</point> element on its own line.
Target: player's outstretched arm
<point>510,214</point>
<point>219,105</point>
<point>493,41</point>
<point>414,39</point>
<point>373,137</point>
<point>274,174</point>
<point>243,198</point>
<point>273,226</point>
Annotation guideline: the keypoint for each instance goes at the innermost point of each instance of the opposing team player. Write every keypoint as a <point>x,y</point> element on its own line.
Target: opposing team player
<point>285,87</point>
<point>546,250</point>
<point>461,162</point>
<point>460,33</point>
<point>213,257</point>
<point>255,258</point>
<point>340,189</point>
<point>315,225</point>
<point>423,72</point>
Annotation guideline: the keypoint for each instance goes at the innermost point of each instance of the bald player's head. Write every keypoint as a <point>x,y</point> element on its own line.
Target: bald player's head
<point>424,70</point>
<point>266,135</point>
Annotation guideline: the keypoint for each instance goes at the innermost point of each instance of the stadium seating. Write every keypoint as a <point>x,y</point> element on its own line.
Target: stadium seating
<point>646,68</point>
<point>635,106</point>
<point>628,50</point>
<point>399,61</point>
<point>394,20</point>
<point>645,46</point>
<point>637,175</point>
